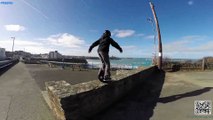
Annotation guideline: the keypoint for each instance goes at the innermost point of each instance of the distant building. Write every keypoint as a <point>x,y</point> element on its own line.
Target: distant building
<point>45,56</point>
<point>55,55</point>
<point>2,54</point>
<point>36,56</point>
<point>17,54</point>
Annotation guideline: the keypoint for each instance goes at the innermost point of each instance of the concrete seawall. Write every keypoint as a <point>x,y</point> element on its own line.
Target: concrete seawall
<point>82,101</point>
<point>6,65</point>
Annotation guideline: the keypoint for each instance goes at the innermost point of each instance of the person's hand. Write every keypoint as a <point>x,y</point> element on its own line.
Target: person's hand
<point>121,50</point>
<point>89,51</point>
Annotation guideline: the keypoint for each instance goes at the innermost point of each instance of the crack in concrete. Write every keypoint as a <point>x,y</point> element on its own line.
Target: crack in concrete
<point>9,106</point>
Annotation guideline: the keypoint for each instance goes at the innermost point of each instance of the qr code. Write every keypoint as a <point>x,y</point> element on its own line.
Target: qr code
<point>202,107</point>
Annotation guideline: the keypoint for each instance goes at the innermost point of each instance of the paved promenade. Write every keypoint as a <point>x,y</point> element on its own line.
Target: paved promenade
<point>20,96</point>
<point>180,91</point>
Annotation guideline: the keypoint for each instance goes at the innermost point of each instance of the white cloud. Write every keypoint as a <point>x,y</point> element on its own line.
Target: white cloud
<point>140,34</point>
<point>206,47</point>
<point>65,43</point>
<point>5,43</point>
<point>184,43</point>
<point>129,47</point>
<point>123,33</point>
<point>149,37</point>
<point>189,47</point>
<point>193,38</point>
<point>38,49</point>
<point>15,28</point>
<point>191,2</point>
<point>65,40</point>
<point>29,46</point>
<point>27,43</point>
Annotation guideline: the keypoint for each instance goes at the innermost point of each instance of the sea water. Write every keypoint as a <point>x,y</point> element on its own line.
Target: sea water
<point>129,63</point>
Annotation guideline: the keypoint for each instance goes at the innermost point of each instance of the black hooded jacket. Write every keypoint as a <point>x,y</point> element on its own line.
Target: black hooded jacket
<point>104,43</point>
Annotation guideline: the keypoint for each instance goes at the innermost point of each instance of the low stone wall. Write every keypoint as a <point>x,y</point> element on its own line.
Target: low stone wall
<point>81,101</point>
<point>202,64</point>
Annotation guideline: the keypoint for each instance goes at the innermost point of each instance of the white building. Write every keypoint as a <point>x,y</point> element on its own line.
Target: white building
<point>54,55</point>
<point>2,54</point>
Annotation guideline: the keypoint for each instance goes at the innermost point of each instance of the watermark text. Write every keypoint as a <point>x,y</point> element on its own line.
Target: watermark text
<point>6,3</point>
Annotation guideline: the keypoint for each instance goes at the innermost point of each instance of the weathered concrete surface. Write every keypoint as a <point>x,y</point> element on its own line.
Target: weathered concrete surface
<point>4,106</point>
<point>180,91</point>
<point>20,97</point>
<point>199,78</point>
<point>82,101</point>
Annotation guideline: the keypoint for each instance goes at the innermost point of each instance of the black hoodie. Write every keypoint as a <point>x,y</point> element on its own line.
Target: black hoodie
<point>104,43</point>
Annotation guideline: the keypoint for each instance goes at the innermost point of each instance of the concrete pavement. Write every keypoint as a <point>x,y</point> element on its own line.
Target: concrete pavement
<point>20,97</point>
<point>180,91</point>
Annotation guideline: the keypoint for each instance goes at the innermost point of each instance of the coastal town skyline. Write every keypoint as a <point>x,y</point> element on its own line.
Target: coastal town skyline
<point>72,25</point>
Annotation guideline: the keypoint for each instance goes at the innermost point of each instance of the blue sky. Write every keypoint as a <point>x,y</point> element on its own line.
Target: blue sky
<point>71,26</point>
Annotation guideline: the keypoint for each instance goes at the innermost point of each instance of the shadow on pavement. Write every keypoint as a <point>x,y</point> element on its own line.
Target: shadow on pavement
<point>139,104</point>
<point>188,94</point>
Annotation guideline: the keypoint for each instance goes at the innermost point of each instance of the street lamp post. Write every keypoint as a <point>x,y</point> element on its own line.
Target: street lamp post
<point>13,38</point>
<point>160,51</point>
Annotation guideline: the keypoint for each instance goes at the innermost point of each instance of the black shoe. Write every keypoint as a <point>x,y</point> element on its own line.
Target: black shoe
<point>101,78</point>
<point>107,79</point>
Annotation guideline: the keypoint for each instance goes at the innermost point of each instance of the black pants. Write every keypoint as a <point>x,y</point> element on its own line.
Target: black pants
<point>104,57</point>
